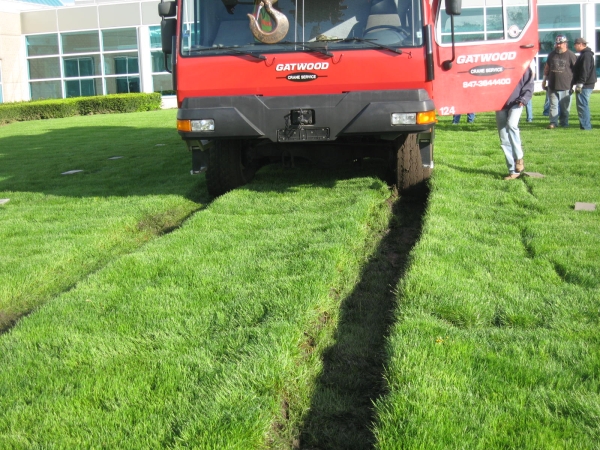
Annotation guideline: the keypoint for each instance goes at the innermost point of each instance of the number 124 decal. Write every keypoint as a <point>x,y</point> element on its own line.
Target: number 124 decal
<point>446,110</point>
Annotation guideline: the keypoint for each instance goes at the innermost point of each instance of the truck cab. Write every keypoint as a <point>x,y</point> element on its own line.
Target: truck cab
<point>259,81</point>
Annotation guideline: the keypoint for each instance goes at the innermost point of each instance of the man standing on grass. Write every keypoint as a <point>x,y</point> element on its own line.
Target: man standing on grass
<point>584,80</point>
<point>558,75</point>
<point>507,120</point>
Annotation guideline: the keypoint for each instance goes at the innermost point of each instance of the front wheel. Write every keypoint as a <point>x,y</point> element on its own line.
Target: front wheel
<point>230,166</point>
<point>409,167</point>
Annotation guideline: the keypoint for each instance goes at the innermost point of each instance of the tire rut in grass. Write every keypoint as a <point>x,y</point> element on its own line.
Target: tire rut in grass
<point>341,412</point>
<point>155,226</point>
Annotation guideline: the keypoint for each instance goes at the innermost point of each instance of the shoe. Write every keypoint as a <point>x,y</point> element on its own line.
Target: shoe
<point>512,176</point>
<point>551,127</point>
<point>519,165</point>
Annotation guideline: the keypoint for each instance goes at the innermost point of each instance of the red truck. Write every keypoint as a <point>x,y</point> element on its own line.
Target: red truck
<point>259,81</point>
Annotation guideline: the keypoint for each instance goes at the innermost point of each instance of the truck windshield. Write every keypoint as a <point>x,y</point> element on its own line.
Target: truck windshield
<point>216,27</point>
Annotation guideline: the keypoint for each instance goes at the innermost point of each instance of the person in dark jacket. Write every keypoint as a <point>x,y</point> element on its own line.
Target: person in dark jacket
<point>558,73</point>
<point>507,120</point>
<point>584,79</point>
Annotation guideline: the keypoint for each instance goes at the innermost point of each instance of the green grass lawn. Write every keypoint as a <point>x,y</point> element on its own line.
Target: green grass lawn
<point>497,343</point>
<point>56,229</point>
<point>155,318</point>
<point>211,335</point>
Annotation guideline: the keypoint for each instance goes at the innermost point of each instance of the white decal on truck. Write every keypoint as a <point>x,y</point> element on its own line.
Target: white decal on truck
<point>485,83</point>
<point>446,110</point>
<point>486,57</point>
<point>302,66</point>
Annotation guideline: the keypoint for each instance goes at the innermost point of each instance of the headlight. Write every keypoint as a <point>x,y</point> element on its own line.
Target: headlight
<point>203,125</point>
<point>421,118</point>
<point>404,118</point>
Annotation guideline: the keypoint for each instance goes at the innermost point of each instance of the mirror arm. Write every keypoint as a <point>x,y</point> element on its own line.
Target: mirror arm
<point>447,65</point>
<point>166,56</point>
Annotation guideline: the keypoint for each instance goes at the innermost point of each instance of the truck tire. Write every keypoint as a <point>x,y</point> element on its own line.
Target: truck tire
<point>229,167</point>
<point>409,168</point>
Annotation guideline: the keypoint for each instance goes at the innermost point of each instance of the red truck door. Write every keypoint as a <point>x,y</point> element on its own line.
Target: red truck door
<point>495,41</point>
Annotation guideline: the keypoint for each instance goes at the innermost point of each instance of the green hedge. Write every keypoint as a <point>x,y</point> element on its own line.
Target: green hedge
<point>79,106</point>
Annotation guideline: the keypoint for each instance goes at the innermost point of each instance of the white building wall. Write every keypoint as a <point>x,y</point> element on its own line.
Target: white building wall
<point>12,56</point>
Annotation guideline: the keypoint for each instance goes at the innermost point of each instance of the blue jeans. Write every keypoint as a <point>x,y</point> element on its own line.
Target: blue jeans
<point>583,109</point>
<point>507,121</point>
<point>470,118</point>
<point>560,106</point>
<point>529,111</point>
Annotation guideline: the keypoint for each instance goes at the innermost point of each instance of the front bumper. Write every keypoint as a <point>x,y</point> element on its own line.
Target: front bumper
<point>334,115</point>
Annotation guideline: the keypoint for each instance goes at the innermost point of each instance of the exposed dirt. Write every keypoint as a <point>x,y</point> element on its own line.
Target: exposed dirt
<point>353,367</point>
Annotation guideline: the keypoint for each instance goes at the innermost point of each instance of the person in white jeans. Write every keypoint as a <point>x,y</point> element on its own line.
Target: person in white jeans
<point>507,121</point>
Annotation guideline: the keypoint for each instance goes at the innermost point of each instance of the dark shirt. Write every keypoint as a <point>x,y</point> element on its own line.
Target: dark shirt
<point>523,91</point>
<point>559,70</point>
<point>584,71</point>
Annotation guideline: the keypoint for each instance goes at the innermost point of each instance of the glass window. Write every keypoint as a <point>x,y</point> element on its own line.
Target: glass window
<point>486,22</point>
<point>122,85</point>
<point>540,67</point>
<point>547,39</point>
<point>161,80</point>
<point>155,41</point>
<point>82,42</point>
<point>40,68</point>
<point>209,27</point>
<point>555,20</point>
<point>517,15</point>
<point>559,16</point>
<point>493,19</point>
<point>163,84</point>
<point>120,63</point>
<point>45,89</point>
<point>83,66</point>
<point>43,44</point>
<point>120,39</point>
<point>83,88</point>
<point>158,62</point>
<point>597,38</point>
<point>470,20</point>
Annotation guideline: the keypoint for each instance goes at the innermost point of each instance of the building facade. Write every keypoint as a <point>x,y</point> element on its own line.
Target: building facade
<point>86,48</point>
<point>98,47</point>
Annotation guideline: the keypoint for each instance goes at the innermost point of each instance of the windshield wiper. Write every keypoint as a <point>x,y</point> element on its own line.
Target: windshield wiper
<point>321,50</point>
<point>230,49</point>
<point>372,42</point>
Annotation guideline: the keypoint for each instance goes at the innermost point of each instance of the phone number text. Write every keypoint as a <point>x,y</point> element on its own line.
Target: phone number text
<point>485,83</point>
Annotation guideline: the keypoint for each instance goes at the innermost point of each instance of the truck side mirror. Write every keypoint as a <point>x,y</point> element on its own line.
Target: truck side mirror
<point>167,9</point>
<point>453,7</point>
<point>168,27</point>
